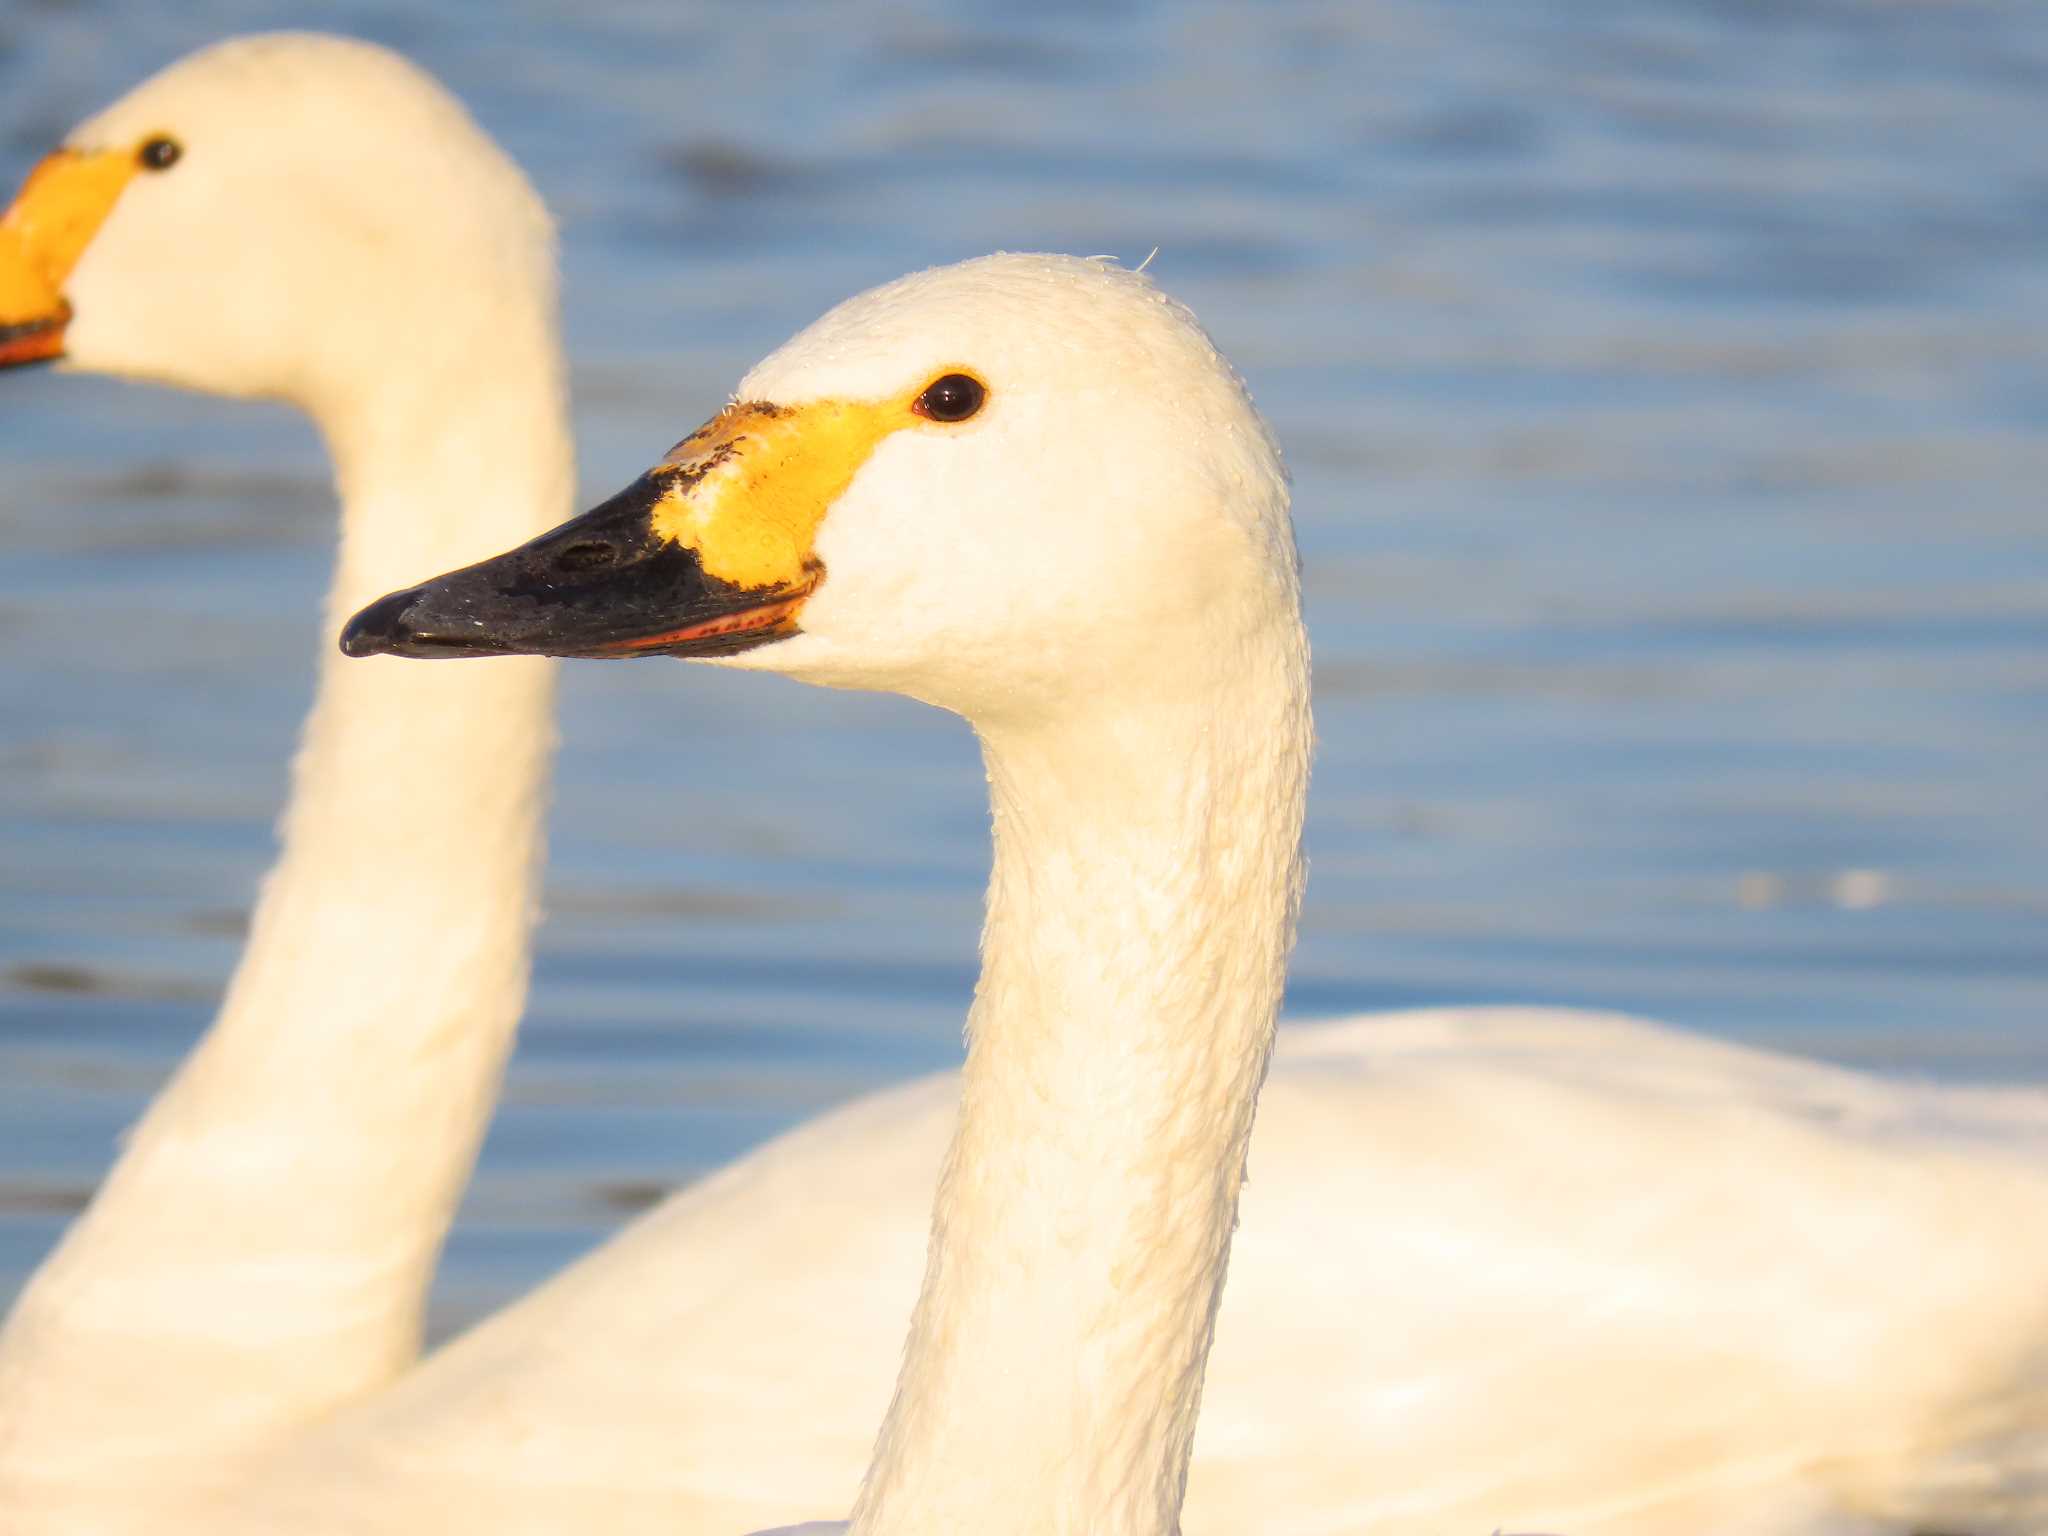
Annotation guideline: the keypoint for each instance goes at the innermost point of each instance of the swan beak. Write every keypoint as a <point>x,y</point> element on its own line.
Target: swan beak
<point>61,206</point>
<point>707,554</point>
<point>605,584</point>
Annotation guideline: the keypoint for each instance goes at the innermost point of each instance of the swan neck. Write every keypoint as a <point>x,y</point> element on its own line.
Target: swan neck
<point>440,460</point>
<point>416,790</point>
<point>1141,909</point>
<point>321,1132</point>
<point>395,922</point>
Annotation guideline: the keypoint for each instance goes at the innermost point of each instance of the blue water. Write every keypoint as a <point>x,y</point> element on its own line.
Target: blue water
<point>1665,385</point>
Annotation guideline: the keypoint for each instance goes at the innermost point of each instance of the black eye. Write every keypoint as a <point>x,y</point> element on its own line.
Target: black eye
<point>955,397</point>
<point>160,153</point>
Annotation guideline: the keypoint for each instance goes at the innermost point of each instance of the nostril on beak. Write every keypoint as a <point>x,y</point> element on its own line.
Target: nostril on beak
<point>379,627</point>
<point>589,555</point>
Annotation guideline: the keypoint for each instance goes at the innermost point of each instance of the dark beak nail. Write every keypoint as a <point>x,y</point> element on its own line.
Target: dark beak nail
<point>379,627</point>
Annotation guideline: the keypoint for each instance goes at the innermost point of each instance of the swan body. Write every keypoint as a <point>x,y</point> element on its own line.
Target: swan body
<point>260,1253</point>
<point>1511,1269</point>
<point>1498,1269</point>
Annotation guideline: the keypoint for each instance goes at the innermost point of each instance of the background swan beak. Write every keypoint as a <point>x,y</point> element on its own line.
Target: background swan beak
<point>605,584</point>
<point>61,206</point>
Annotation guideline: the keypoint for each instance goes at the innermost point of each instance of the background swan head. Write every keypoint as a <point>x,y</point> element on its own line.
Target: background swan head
<point>993,486</point>
<point>277,214</point>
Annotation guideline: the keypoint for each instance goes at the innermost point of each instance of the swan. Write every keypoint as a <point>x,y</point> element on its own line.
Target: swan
<point>1499,1269</point>
<point>314,219</point>
<point>1493,1185</point>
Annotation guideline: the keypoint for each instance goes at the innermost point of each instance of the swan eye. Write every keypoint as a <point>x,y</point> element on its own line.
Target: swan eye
<point>159,153</point>
<point>955,397</point>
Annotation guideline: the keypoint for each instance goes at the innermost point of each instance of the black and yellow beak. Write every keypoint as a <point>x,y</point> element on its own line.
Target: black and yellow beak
<point>707,554</point>
<point>605,584</point>
<point>59,209</point>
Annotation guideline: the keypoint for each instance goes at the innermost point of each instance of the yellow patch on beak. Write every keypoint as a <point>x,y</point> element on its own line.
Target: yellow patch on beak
<point>749,488</point>
<point>61,207</point>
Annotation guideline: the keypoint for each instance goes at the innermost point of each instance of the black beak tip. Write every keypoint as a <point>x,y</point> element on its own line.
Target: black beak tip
<point>380,629</point>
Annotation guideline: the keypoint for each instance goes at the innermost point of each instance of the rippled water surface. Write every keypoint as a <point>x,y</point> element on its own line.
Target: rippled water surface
<point>1665,386</point>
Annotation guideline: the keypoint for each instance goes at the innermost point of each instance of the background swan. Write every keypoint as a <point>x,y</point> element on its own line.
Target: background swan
<point>1542,1269</point>
<point>314,219</point>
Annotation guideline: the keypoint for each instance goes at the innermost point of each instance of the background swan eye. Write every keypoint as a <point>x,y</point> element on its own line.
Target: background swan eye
<point>160,153</point>
<point>952,398</point>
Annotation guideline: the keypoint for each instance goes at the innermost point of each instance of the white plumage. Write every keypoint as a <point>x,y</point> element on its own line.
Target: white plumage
<point>1496,1269</point>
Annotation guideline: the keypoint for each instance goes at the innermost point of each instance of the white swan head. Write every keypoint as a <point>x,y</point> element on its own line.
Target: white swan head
<point>990,486</point>
<point>273,215</point>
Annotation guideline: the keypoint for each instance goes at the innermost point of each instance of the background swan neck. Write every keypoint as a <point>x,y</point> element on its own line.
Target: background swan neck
<point>1141,909</point>
<point>262,1250</point>
<point>448,434</point>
